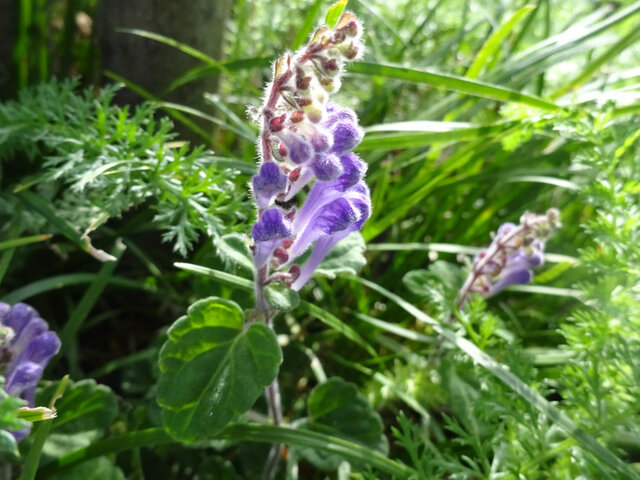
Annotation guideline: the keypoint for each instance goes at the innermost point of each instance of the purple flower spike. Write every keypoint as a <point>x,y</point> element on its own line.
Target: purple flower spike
<point>324,244</point>
<point>335,217</point>
<point>311,138</point>
<point>327,167</point>
<point>268,183</point>
<point>346,136</point>
<point>513,254</point>
<point>271,226</point>
<point>24,356</point>
<point>23,378</point>
<point>268,234</point>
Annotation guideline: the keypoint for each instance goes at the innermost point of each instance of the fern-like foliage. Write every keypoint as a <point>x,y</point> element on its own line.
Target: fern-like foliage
<point>92,160</point>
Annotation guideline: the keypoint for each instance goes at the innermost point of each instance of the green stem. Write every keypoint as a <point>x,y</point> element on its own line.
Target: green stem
<point>238,432</point>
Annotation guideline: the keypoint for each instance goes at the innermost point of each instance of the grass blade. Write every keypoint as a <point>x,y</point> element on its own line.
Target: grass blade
<point>439,133</point>
<point>44,208</point>
<point>235,432</point>
<point>598,62</point>
<point>63,281</point>
<point>81,311</point>
<point>19,242</point>
<point>495,40</point>
<point>335,10</point>
<point>307,25</point>
<point>452,82</point>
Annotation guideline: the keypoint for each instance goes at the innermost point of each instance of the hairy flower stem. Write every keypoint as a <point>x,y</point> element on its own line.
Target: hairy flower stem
<point>272,392</point>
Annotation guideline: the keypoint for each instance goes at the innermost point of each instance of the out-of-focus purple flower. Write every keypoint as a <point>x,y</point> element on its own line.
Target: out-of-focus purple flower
<point>24,351</point>
<point>518,267</point>
<point>309,140</point>
<point>513,254</point>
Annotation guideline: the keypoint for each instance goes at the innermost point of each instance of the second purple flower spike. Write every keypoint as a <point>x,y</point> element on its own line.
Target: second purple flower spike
<point>25,349</point>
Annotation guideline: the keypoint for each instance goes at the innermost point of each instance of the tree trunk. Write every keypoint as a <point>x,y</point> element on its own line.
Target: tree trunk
<point>154,65</point>
<point>8,31</point>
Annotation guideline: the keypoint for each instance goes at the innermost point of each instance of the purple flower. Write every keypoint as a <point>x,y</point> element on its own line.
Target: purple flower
<point>267,183</point>
<point>321,141</point>
<point>25,352</point>
<point>513,254</point>
<point>518,267</point>
<point>268,234</point>
<point>337,114</point>
<point>334,214</point>
<point>324,244</point>
<point>346,136</point>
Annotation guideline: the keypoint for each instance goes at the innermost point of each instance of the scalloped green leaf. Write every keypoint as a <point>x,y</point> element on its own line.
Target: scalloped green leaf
<point>212,369</point>
<point>281,298</point>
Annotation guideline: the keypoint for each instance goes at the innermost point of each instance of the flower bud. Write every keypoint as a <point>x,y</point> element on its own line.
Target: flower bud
<point>346,136</point>
<point>326,167</point>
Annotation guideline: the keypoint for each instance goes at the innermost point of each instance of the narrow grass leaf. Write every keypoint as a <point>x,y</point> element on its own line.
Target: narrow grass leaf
<point>495,41</point>
<point>183,47</point>
<point>414,140</point>
<point>45,209</point>
<point>307,25</point>
<point>79,314</point>
<point>452,82</point>
<point>19,242</point>
<point>236,432</point>
<point>334,12</point>
<point>589,70</point>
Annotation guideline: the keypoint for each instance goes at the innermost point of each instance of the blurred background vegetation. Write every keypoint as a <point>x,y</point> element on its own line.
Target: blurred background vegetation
<point>476,111</point>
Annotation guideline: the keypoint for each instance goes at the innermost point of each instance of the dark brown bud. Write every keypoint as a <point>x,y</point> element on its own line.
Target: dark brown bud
<point>294,273</point>
<point>290,215</point>
<point>302,82</point>
<point>331,65</point>
<point>351,52</point>
<point>339,36</point>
